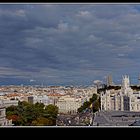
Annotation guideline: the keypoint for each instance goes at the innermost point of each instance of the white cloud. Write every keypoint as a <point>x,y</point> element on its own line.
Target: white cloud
<point>121,54</point>
<point>84,13</point>
<point>92,37</point>
<point>62,26</point>
<point>70,41</point>
<point>20,12</point>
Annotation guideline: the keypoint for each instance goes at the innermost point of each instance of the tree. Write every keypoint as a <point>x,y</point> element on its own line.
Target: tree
<point>42,121</point>
<point>96,106</point>
<point>12,110</point>
<point>39,105</point>
<point>87,104</point>
<point>15,119</point>
<point>94,98</point>
<point>27,114</point>
<point>80,109</point>
<point>51,111</point>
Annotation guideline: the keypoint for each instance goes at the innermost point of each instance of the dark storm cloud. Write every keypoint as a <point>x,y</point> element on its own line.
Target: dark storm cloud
<point>68,43</point>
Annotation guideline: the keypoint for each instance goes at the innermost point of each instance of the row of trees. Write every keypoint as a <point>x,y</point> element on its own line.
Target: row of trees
<point>134,87</point>
<point>27,114</point>
<point>93,103</point>
<point>108,88</point>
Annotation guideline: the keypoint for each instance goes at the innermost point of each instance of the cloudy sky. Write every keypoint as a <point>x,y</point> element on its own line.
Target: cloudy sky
<point>68,44</point>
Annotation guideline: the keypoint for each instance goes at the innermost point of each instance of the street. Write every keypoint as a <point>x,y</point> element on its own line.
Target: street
<point>80,119</point>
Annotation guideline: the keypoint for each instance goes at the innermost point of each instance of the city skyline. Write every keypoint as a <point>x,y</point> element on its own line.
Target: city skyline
<point>64,44</point>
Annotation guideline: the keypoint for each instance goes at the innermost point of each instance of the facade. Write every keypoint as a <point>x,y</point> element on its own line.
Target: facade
<point>8,103</point>
<point>68,101</point>
<point>53,98</point>
<point>3,120</point>
<point>109,80</point>
<point>68,105</point>
<point>124,99</point>
<point>39,99</point>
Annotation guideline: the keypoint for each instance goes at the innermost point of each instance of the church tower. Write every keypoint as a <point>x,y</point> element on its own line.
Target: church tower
<point>126,93</point>
<point>126,89</point>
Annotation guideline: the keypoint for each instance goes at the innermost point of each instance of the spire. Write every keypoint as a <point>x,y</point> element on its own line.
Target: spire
<point>125,84</point>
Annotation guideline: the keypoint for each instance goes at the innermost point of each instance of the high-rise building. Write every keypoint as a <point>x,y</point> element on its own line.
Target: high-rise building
<point>31,99</point>
<point>109,80</point>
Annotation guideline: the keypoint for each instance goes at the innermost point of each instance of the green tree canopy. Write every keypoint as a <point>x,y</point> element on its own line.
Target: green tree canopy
<point>28,114</point>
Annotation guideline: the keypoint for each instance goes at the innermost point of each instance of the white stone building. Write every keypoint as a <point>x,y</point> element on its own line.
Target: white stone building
<point>71,102</point>
<point>3,120</point>
<point>8,103</point>
<point>124,99</point>
<point>41,99</point>
<point>68,104</point>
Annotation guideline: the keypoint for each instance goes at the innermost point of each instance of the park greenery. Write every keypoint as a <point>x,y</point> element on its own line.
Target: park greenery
<point>93,104</point>
<point>28,114</point>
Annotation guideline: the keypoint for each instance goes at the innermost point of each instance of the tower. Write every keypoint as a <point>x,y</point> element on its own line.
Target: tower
<point>125,82</point>
<point>126,93</point>
<point>109,80</point>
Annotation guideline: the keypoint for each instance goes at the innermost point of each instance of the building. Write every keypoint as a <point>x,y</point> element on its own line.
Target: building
<point>124,99</point>
<point>68,104</point>
<point>39,99</point>
<point>8,103</point>
<point>54,97</point>
<point>109,80</point>
<point>31,99</point>
<point>116,118</point>
<point>3,120</point>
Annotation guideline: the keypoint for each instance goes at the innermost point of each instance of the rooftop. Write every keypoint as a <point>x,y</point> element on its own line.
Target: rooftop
<point>116,118</point>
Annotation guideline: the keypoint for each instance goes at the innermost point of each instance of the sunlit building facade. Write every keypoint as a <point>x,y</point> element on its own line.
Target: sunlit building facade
<point>3,120</point>
<point>124,99</point>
